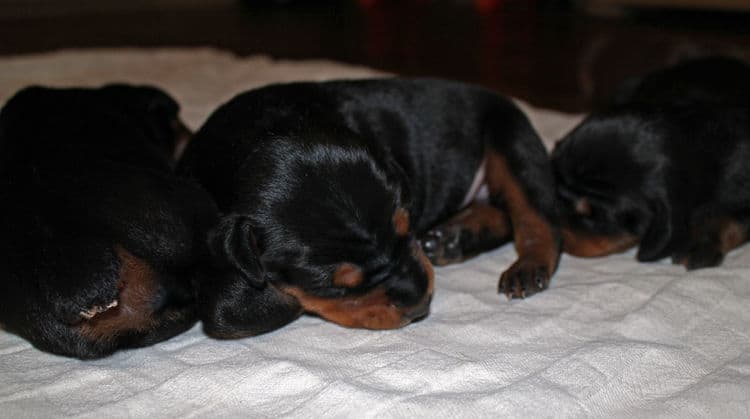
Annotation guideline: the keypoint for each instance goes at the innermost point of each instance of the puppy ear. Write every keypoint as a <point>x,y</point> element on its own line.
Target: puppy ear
<point>155,109</point>
<point>661,233</point>
<point>238,301</point>
<point>231,308</point>
<point>165,124</point>
<point>158,101</point>
<point>397,174</point>
<point>233,246</point>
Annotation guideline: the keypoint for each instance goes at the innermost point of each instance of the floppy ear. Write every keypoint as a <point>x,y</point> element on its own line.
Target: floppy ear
<point>233,246</point>
<point>238,301</point>
<point>662,231</point>
<point>231,308</point>
<point>160,102</point>
<point>155,109</point>
<point>397,174</point>
<point>165,124</point>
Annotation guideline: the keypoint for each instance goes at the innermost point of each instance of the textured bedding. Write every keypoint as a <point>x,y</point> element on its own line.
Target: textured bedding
<point>611,337</point>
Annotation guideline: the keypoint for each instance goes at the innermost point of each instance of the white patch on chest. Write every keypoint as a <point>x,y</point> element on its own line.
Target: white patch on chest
<point>478,189</point>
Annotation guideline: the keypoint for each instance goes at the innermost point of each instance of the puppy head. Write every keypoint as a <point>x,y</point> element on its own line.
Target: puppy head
<point>334,229</point>
<point>385,297</point>
<point>91,304</point>
<point>75,272</point>
<point>604,171</point>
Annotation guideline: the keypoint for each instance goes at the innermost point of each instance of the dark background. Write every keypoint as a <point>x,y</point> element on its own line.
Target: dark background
<point>566,55</point>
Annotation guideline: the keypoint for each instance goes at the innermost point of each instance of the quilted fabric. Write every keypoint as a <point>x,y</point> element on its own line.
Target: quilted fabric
<point>611,337</point>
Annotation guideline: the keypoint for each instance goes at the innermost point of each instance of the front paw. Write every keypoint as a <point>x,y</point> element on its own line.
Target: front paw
<point>523,279</point>
<point>442,245</point>
<point>703,254</point>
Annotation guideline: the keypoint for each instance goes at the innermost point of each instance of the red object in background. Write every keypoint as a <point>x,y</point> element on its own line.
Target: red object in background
<point>487,6</point>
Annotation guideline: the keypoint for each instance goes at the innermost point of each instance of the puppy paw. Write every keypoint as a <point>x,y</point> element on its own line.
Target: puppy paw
<point>699,255</point>
<point>442,245</point>
<point>523,279</point>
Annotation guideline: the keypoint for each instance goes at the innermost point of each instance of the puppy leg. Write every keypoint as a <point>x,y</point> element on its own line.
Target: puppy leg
<point>713,234</point>
<point>519,178</point>
<point>476,229</point>
<point>536,239</point>
<point>590,245</point>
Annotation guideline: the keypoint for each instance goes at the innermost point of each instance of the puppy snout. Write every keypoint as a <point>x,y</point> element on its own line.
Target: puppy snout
<point>418,313</point>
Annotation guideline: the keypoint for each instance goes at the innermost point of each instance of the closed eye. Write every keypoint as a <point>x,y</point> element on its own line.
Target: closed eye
<point>593,190</point>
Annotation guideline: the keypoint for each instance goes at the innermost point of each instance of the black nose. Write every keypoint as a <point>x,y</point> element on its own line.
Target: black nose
<point>419,312</point>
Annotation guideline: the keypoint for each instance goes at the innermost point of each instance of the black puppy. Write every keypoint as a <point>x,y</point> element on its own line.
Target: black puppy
<point>97,237</point>
<point>667,167</point>
<point>325,187</point>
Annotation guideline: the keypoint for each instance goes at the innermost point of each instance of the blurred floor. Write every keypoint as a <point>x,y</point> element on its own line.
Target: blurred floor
<point>541,51</point>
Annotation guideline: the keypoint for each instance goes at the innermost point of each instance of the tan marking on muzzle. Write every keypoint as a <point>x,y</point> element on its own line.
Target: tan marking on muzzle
<point>133,310</point>
<point>372,310</point>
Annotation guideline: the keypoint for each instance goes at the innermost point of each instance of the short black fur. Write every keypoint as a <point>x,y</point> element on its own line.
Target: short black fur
<point>313,174</point>
<point>88,191</point>
<point>669,156</point>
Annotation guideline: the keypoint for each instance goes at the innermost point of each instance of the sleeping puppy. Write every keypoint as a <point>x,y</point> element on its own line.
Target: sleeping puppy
<point>666,167</point>
<point>99,238</point>
<point>325,188</point>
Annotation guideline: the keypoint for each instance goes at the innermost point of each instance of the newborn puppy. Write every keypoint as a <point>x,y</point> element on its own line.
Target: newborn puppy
<point>325,188</point>
<point>666,167</point>
<point>98,237</point>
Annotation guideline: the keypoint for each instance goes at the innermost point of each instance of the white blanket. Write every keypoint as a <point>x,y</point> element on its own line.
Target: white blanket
<point>611,337</point>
